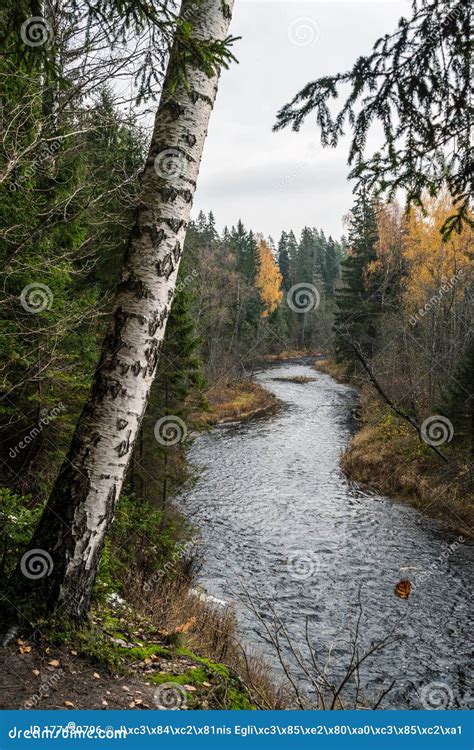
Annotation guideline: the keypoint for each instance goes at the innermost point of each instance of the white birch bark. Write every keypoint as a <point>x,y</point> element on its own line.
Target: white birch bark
<point>82,504</point>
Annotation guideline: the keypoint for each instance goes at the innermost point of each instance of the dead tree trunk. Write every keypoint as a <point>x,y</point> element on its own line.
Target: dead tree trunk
<point>70,535</point>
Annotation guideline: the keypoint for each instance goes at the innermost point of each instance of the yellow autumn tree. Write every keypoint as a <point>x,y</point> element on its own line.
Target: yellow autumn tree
<point>268,280</point>
<point>433,262</point>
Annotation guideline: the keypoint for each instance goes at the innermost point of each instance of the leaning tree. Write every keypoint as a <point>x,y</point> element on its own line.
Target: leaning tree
<point>72,529</point>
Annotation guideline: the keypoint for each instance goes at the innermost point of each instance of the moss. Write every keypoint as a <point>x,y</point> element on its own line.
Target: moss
<point>238,701</point>
<point>213,666</point>
<point>140,653</point>
<point>194,676</point>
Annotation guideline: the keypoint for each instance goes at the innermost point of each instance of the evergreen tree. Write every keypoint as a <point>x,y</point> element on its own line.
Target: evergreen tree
<point>357,302</point>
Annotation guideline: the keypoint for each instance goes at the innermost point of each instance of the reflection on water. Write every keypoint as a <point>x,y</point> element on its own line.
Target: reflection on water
<point>279,519</point>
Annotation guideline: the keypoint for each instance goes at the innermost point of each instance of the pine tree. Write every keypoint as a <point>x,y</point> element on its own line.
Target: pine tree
<point>357,303</point>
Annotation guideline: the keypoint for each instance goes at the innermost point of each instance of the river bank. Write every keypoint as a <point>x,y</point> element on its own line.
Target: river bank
<point>387,456</point>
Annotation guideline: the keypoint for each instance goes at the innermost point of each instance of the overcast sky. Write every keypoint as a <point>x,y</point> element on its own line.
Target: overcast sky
<point>285,180</point>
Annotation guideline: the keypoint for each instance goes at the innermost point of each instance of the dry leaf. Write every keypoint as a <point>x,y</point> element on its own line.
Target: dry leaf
<point>74,653</point>
<point>69,703</point>
<point>206,684</point>
<point>185,626</point>
<point>104,702</point>
<point>36,672</point>
<point>124,687</point>
<point>132,704</point>
<point>403,589</point>
<point>24,649</point>
<point>190,688</point>
<point>54,663</point>
<point>96,675</point>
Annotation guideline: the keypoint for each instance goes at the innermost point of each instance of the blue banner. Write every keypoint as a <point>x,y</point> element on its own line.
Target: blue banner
<point>56,730</point>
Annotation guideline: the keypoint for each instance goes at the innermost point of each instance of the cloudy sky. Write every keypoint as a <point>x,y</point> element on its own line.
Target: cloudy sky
<point>285,180</point>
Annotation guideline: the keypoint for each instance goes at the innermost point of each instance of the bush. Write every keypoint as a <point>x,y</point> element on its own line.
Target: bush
<point>17,523</point>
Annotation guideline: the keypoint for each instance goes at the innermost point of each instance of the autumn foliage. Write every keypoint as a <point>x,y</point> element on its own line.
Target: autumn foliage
<point>268,279</point>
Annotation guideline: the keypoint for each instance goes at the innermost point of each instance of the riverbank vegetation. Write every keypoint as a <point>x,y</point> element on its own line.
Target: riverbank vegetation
<point>402,334</point>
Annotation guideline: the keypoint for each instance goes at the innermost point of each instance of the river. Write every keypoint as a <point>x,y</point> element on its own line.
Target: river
<point>280,520</point>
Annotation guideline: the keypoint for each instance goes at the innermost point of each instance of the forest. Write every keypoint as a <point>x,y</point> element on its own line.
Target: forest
<point>134,333</point>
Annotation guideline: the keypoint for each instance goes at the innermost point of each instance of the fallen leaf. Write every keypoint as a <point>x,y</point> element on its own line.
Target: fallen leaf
<point>54,663</point>
<point>96,675</point>
<point>185,626</point>
<point>127,689</point>
<point>36,672</point>
<point>24,649</point>
<point>74,653</point>
<point>403,589</point>
<point>104,702</point>
<point>190,688</point>
<point>70,704</point>
<point>206,684</point>
<point>132,704</point>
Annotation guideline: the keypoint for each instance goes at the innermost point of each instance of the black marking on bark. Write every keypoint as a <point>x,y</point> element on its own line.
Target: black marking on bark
<point>157,321</point>
<point>121,423</point>
<point>170,295</point>
<point>168,195</point>
<point>174,108</point>
<point>226,11</point>
<point>123,447</point>
<point>190,139</point>
<point>177,251</point>
<point>136,286</point>
<point>165,267</point>
<point>174,224</point>
<point>156,235</point>
<point>152,352</point>
<point>195,96</point>
<point>136,367</point>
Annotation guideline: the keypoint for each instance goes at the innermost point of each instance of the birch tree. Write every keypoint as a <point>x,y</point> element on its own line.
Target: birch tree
<point>69,539</point>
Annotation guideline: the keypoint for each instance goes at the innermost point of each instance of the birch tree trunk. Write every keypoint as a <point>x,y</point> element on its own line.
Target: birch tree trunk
<point>70,535</point>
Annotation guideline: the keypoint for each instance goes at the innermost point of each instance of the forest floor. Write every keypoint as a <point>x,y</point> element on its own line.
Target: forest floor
<point>387,456</point>
<point>119,661</point>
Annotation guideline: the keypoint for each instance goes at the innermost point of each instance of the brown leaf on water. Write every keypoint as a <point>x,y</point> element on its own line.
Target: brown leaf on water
<point>403,589</point>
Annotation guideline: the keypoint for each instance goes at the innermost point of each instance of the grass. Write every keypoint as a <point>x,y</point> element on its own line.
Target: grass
<point>329,367</point>
<point>237,400</point>
<point>387,456</point>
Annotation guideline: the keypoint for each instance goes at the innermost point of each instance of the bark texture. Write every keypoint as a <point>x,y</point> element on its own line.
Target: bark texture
<point>80,510</point>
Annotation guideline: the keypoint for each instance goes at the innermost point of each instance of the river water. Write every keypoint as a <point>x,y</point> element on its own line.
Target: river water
<point>280,521</point>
